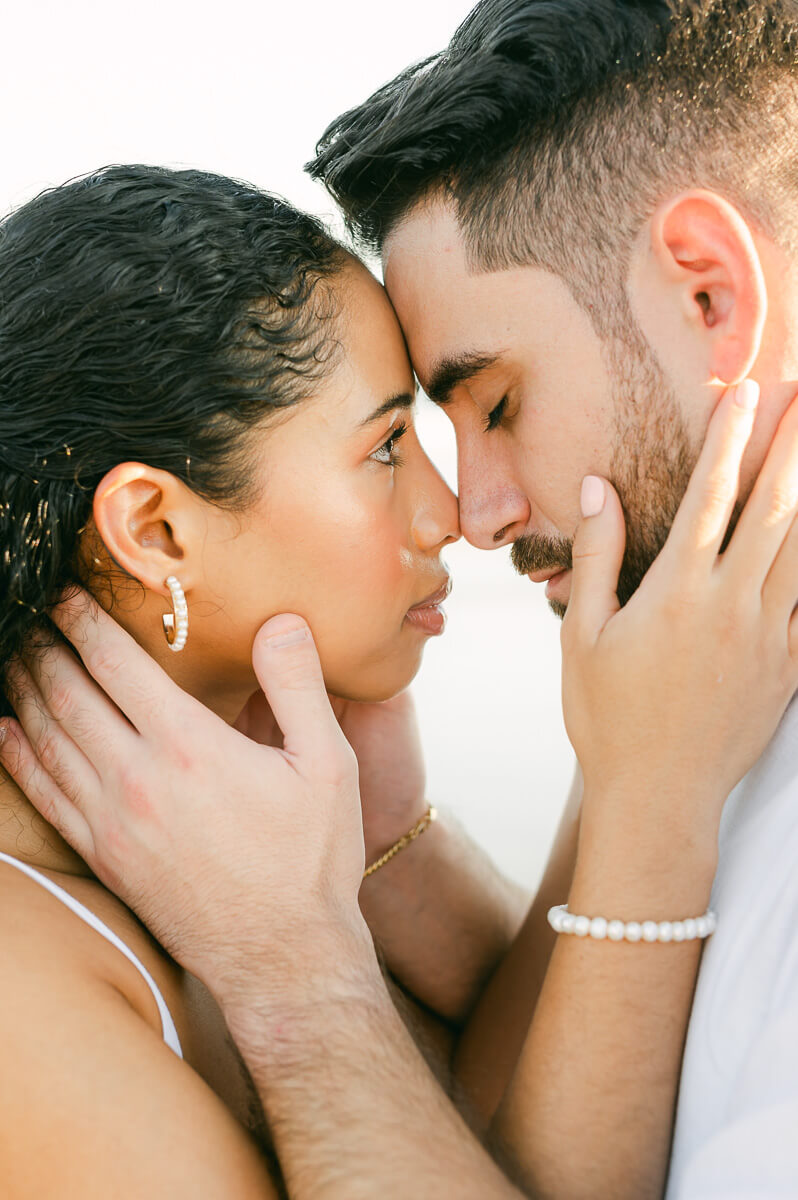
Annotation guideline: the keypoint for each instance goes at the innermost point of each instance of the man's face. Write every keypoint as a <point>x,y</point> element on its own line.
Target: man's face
<point>537,401</point>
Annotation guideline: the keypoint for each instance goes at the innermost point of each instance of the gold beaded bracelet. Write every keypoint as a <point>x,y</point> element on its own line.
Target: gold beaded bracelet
<point>429,816</point>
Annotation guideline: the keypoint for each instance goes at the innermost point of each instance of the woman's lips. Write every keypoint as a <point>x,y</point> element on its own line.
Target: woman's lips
<point>428,615</point>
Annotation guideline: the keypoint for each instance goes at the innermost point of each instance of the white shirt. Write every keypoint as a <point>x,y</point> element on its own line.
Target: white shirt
<point>737,1120</point>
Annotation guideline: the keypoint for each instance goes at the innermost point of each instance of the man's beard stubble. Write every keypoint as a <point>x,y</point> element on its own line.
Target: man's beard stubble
<point>650,470</point>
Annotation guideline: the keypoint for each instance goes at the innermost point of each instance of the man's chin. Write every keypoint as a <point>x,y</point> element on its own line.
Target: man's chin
<point>558,608</point>
<point>558,592</point>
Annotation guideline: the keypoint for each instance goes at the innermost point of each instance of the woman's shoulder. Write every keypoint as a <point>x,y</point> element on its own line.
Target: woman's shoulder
<point>53,905</point>
<point>41,934</point>
<point>91,1093</point>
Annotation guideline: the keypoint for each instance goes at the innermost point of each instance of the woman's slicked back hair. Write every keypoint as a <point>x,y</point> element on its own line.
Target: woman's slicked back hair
<point>146,315</point>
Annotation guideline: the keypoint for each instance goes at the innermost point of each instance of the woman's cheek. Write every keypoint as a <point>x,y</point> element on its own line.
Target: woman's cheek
<point>361,642</point>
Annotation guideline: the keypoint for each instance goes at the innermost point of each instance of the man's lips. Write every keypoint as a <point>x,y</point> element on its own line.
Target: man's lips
<point>549,573</point>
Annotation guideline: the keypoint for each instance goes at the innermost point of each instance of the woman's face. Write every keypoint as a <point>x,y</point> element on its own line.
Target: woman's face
<point>348,527</point>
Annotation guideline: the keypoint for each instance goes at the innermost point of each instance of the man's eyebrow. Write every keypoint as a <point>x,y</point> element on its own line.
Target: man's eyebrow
<point>401,400</point>
<point>449,372</point>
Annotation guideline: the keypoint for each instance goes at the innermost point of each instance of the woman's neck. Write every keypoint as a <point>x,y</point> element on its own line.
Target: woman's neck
<point>24,834</point>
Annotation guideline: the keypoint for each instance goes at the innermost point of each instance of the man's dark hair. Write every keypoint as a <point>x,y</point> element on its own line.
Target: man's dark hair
<point>146,315</point>
<point>554,126</point>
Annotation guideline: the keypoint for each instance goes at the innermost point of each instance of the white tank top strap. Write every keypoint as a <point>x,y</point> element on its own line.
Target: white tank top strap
<point>169,1031</point>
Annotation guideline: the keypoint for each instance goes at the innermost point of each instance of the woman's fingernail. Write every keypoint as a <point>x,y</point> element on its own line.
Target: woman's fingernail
<point>3,732</point>
<point>593,495</point>
<point>746,394</point>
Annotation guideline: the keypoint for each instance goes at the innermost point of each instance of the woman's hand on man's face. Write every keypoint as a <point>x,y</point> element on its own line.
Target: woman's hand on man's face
<point>671,700</point>
<point>191,824</point>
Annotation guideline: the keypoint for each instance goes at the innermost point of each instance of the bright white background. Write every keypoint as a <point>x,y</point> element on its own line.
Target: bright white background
<point>245,88</point>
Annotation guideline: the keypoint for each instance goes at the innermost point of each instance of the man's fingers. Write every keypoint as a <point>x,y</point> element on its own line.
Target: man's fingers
<point>256,721</point>
<point>20,761</point>
<point>704,514</point>
<point>73,699</point>
<point>771,508</point>
<point>288,669</point>
<point>124,671</point>
<point>597,556</point>
<point>59,756</point>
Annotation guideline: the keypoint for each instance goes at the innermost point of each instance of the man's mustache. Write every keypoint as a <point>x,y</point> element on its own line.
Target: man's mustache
<point>537,552</point>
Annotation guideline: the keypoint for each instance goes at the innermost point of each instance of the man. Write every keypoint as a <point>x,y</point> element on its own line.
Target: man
<point>587,216</point>
<point>581,251</point>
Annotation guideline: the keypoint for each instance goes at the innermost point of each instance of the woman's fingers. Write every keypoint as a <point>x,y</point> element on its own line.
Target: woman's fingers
<point>597,556</point>
<point>771,508</point>
<point>124,671</point>
<point>792,636</point>
<point>19,759</point>
<point>704,514</point>
<point>60,758</point>
<point>780,590</point>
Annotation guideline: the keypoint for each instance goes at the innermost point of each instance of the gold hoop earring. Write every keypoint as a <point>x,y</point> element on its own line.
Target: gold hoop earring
<point>175,624</point>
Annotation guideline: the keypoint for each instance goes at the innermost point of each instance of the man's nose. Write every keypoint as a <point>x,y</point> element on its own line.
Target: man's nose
<point>494,510</point>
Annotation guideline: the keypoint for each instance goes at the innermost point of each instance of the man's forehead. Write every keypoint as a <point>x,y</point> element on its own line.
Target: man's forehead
<point>450,313</point>
<point>429,284</point>
<point>427,236</point>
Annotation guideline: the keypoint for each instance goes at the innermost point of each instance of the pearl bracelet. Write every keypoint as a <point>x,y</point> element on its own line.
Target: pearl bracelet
<point>599,928</point>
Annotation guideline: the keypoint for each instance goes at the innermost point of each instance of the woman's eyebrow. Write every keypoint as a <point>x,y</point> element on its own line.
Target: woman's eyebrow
<point>401,400</point>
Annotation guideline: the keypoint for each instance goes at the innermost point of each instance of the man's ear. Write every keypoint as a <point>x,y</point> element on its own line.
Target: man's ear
<point>701,254</point>
<point>149,522</point>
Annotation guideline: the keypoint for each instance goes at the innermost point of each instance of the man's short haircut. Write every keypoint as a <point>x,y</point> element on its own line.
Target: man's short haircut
<point>555,127</point>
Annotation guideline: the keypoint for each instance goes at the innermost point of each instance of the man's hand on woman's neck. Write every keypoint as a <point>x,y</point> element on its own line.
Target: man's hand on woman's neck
<point>25,835</point>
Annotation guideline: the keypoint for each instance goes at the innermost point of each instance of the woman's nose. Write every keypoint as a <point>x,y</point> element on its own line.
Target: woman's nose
<point>436,522</point>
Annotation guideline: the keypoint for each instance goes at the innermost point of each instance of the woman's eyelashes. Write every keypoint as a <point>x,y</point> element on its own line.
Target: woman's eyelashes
<point>494,417</point>
<point>389,447</point>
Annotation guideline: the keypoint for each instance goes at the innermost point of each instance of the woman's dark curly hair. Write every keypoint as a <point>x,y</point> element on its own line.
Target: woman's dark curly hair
<point>147,315</point>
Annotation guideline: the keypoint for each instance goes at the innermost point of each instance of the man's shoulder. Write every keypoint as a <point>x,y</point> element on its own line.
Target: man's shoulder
<point>748,981</point>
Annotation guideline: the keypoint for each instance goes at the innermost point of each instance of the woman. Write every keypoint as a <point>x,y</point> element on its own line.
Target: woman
<point>204,397</point>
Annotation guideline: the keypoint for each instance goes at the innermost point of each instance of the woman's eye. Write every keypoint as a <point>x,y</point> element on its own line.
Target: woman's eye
<point>388,447</point>
<point>494,417</point>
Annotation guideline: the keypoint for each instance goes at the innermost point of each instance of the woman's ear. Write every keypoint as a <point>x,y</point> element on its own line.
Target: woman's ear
<point>149,522</point>
<point>699,272</point>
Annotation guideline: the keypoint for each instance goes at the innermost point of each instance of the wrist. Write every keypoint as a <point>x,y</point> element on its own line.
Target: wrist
<point>277,1002</point>
<point>443,917</point>
<point>658,812</point>
<point>396,899</point>
<point>303,955</point>
<point>633,864</point>
<point>381,830</point>
<point>403,843</point>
